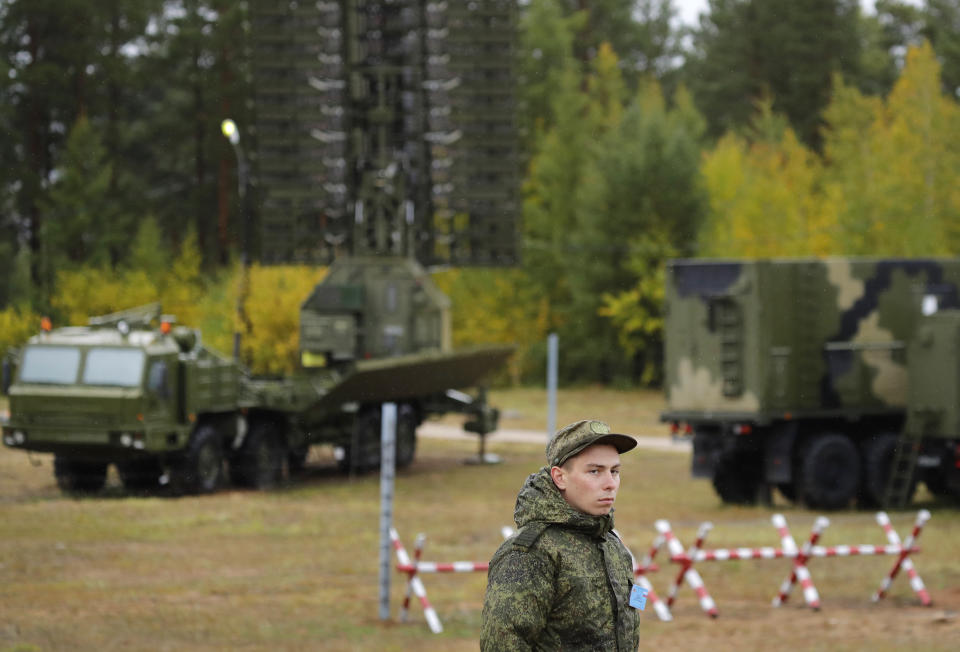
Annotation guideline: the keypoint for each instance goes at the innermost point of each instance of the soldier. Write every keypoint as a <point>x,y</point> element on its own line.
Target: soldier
<point>564,580</point>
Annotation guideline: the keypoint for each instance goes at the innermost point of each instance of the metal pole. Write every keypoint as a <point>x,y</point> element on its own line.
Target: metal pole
<point>245,251</point>
<point>553,347</point>
<point>388,441</point>
<point>230,131</point>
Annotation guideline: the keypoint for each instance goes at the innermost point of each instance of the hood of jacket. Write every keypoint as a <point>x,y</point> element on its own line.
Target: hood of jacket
<point>540,500</point>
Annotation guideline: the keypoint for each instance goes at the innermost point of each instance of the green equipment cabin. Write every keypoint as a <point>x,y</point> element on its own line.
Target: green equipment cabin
<point>797,374</point>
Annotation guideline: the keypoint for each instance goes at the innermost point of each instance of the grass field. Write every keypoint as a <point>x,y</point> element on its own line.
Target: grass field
<point>296,568</point>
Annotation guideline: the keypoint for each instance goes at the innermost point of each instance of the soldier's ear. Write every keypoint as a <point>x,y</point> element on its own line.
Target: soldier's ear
<point>559,477</point>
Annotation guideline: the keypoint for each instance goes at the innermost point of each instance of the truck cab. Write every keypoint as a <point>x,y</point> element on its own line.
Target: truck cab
<point>120,391</point>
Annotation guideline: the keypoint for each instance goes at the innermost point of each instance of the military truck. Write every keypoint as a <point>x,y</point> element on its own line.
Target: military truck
<point>135,390</point>
<point>368,153</point>
<point>800,374</point>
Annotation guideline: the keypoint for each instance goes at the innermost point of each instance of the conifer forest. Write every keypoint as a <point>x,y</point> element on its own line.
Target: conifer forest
<point>769,128</point>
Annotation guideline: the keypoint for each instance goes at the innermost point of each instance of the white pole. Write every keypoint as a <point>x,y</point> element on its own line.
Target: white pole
<point>388,441</point>
<point>553,347</point>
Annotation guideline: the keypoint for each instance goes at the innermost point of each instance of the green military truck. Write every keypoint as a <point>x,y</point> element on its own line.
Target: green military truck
<point>801,374</point>
<point>135,390</point>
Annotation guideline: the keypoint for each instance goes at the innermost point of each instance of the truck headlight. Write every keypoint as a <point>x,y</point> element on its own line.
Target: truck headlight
<point>19,437</point>
<point>126,440</point>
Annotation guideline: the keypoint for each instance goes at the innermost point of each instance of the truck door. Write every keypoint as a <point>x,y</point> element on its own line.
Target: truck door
<point>161,391</point>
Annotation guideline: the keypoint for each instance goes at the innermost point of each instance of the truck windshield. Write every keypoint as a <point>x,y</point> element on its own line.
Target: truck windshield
<point>117,367</point>
<point>52,365</point>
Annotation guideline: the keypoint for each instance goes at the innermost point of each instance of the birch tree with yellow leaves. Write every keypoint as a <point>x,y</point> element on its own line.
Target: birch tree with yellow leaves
<point>886,184</point>
<point>766,195</point>
<point>893,165</point>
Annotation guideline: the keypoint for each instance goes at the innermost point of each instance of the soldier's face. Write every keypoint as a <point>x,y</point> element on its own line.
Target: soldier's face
<point>590,480</point>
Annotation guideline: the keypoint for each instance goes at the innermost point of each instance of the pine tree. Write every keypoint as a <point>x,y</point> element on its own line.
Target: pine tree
<point>640,201</point>
<point>746,50</point>
<point>80,218</point>
<point>546,65</point>
<point>942,29</point>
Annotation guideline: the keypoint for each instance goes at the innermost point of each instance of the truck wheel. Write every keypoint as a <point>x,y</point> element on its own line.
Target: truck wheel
<point>77,476</point>
<point>362,452</point>
<point>938,484</point>
<point>788,490</point>
<point>877,462</point>
<point>829,471</point>
<point>201,469</point>
<point>261,461</point>
<point>736,478</point>
<point>297,458</point>
<point>406,435</point>
<point>140,475</point>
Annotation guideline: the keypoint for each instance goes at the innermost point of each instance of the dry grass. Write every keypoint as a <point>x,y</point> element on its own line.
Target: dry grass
<point>296,569</point>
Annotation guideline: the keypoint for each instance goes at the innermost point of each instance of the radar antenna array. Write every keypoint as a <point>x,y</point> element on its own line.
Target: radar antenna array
<point>385,127</point>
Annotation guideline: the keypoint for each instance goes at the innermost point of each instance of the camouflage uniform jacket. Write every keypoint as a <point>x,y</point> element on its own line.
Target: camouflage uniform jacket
<point>562,582</point>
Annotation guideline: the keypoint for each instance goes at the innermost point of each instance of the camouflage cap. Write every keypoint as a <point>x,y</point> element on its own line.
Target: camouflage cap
<point>570,440</point>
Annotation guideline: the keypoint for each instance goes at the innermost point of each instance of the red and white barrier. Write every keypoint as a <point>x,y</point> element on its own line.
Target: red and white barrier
<point>800,556</point>
<point>789,550</point>
<point>800,571</point>
<point>687,572</point>
<point>415,585</point>
<point>639,574</point>
<point>417,551</point>
<point>903,560</point>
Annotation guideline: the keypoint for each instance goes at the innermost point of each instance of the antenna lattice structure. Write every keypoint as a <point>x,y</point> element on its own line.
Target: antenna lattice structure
<point>385,127</point>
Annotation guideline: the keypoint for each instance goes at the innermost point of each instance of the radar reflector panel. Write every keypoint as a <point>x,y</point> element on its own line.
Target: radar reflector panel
<point>385,127</point>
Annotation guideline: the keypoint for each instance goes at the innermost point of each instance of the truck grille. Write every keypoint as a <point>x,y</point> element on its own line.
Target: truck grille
<point>98,420</point>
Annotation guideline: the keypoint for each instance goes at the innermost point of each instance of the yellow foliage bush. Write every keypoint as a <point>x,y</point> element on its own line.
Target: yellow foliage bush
<point>496,306</point>
<point>85,292</point>
<point>271,336</point>
<point>16,325</point>
<point>269,339</point>
<point>884,186</point>
<point>82,293</point>
<point>766,199</point>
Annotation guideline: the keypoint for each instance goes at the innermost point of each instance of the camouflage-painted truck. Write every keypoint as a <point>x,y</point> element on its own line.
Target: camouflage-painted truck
<point>815,375</point>
<point>134,390</point>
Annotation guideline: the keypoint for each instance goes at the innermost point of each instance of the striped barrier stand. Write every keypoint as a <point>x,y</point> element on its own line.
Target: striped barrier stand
<point>687,572</point>
<point>639,575</point>
<point>687,562</point>
<point>417,552</point>
<point>903,558</point>
<point>415,583</point>
<point>800,571</point>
